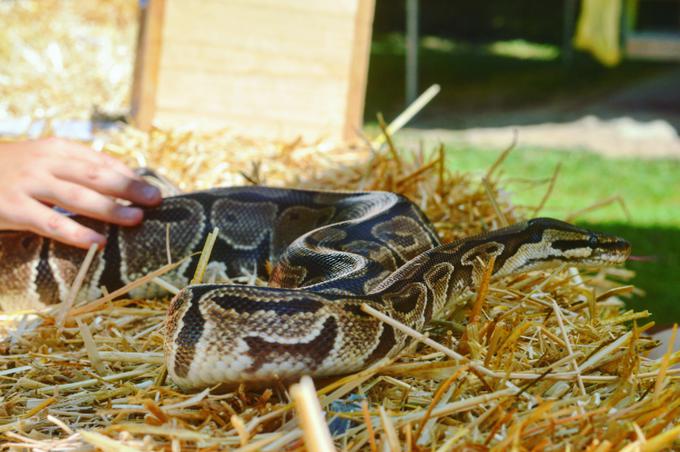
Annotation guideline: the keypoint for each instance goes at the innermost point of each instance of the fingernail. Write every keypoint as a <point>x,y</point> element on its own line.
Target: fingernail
<point>97,238</point>
<point>129,213</point>
<point>150,193</point>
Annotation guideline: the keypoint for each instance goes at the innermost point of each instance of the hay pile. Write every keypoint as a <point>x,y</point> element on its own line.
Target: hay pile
<point>556,363</point>
<point>65,59</point>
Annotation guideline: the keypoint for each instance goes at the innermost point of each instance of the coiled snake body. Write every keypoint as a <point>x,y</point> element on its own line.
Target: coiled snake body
<point>329,253</point>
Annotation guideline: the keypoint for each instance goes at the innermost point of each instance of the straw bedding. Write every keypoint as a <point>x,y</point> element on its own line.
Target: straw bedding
<point>101,381</point>
<point>60,59</point>
<point>98,380</point>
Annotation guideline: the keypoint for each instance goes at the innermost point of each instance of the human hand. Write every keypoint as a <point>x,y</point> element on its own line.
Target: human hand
<point>37,174</point>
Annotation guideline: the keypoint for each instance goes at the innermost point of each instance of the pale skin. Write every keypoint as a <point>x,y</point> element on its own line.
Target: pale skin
<point>36,175</point>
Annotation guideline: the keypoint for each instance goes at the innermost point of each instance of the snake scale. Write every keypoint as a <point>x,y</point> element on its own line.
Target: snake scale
<point>328,252</point>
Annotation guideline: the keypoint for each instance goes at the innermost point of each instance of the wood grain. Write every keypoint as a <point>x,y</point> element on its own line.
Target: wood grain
<point>147,64</point>
<point>267,68</point>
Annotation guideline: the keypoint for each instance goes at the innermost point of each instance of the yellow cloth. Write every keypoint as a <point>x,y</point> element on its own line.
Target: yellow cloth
<point>598,30</point>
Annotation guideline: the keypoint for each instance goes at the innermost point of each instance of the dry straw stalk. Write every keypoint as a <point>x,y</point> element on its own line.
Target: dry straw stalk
<point>541,361</point>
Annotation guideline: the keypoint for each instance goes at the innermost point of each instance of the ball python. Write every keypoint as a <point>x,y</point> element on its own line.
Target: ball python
<point>327,252</point>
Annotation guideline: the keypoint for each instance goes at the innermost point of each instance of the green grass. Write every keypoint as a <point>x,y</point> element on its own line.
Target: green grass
<point>650,189</point>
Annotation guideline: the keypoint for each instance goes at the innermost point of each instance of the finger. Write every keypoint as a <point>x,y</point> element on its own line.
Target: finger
<point>47,222</point>
<point>115,163</point>
<point>108,182</point>
<point>73,150</point>
<point>84,201</point>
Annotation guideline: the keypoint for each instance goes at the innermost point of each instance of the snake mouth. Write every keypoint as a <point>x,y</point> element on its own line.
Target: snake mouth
<point>605,261</point>
<point>610,251</point>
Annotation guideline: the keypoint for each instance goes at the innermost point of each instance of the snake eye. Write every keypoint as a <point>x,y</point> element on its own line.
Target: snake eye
<point>592,241</point>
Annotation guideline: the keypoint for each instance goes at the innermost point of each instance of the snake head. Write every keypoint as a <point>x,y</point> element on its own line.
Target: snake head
<point>577,246</point>
<point>544,242</point>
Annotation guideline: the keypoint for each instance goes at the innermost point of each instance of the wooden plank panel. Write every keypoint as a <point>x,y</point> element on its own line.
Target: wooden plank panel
<point>147,62</point>
<point>214,94</point>
<point>361,50</point>
<point>276,68</point>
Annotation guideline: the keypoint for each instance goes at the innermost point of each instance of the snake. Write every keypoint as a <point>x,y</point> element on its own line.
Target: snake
<point>326,254</point>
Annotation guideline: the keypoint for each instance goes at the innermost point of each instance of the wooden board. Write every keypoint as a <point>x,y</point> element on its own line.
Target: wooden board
<point>266,68</point>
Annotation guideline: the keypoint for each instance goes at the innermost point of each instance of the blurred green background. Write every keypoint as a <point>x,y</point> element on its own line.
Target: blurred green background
<point>502,64</point>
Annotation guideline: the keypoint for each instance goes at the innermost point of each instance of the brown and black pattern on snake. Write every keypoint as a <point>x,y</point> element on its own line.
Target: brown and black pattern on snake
<point>413,294</point>
<point>330,251</point>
